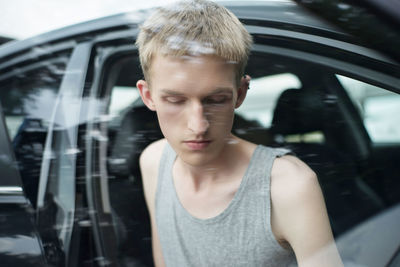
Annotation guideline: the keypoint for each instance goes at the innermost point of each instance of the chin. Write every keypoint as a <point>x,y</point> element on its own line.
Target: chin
<point>199,156</point>
<point>197,159</point>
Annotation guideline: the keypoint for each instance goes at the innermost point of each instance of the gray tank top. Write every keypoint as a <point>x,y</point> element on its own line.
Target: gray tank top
<point>239,236</point>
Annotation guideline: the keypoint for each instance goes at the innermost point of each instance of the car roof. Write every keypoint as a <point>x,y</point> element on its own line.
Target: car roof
<point>279,13</point>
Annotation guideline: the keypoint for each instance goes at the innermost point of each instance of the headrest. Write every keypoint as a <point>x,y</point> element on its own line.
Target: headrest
<point>139,128</point>
<point>298,111</point>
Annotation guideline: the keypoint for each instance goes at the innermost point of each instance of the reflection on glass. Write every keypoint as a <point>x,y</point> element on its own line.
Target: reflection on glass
<point>28,100</point>
<point>121,98</point>
<point>263,94</point>
<point>376,107</point>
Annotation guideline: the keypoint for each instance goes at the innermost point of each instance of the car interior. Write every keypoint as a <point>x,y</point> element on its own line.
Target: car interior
<point>319,108</point>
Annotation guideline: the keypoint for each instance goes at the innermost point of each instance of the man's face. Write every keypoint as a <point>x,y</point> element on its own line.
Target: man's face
<point>194,98</point>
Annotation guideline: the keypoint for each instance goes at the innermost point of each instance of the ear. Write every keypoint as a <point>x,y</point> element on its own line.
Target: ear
<point>242,90</point>
<point>145,93</point>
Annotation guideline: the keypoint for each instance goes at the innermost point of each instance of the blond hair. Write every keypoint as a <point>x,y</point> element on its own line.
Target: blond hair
<point>194,28</point>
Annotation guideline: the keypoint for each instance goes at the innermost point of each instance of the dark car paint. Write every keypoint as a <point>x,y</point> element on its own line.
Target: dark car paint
<point>108,29</point>
<point>4,39</point>
<point>359,246</point>
<point>20,244</point>
<point>282,14</point>
<point>8,165</point>
<point>285,14</point>
<point>375,23</point>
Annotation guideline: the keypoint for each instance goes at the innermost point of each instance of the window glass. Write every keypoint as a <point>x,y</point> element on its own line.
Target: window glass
<point>28,99</point>
<point>30,95</point>
<point>261,98</point>
<point>121,98</point>
<point>377,108</point>
<point>286,106</point>
<point>132,127</point>
<point>260,105</point>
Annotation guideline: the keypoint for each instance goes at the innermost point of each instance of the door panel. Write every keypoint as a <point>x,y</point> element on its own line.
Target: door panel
<point>18,234</point>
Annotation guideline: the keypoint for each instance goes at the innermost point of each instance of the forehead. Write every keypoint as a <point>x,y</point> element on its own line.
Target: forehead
<point>192,68</point>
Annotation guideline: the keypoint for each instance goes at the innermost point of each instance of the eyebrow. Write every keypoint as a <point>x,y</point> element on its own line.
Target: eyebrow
<point>214,92</point>
<point>222,90</point>
<point>170,92</point>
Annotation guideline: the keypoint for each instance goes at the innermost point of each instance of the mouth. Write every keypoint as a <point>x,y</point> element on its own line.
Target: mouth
<point>197,144</point>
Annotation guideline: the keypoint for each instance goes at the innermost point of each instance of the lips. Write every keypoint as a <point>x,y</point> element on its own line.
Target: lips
<point>197,144</point>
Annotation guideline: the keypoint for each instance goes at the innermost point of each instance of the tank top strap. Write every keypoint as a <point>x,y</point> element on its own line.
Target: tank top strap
<point>167,158</point>
<point>260,170</point>
<point>262,161</point>
<point>164,179</point>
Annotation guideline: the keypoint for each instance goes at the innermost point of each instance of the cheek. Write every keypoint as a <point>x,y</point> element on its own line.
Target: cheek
<point>167,116</point>
<point>220,116</point>
<point>169,120</point>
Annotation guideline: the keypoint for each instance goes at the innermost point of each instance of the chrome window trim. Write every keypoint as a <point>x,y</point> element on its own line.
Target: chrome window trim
<point>352,48</point>
<point>346,68</point>
<point>11,190</point>
<point>36,52</point>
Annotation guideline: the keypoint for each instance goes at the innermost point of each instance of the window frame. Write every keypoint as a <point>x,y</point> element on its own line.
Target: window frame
<point>71,89</point>
<point>10,183</point>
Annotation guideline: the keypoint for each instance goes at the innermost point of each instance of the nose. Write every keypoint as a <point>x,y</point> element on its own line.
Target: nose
<point>197,121</point>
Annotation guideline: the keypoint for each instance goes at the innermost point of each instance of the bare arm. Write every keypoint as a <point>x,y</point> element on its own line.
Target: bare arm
<point>149,162</point>
<point>299,214</point>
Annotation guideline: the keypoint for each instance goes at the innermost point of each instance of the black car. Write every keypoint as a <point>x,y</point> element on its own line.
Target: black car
<point>72,127</point>
<point>4,39</point>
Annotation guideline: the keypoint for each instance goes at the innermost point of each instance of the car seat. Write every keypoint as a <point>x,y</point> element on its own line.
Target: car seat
<point>348,198</point>
<point>28,146</point>
<point>138,128</point>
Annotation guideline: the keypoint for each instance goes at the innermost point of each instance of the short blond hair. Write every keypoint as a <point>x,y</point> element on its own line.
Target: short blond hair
<point>194,28</point>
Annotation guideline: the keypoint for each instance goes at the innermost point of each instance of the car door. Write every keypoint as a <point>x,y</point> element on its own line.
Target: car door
<point>304,58</point>
<point>375,23</point>
<point>121,216</point>
<point>20,243</point>
<point>338,119</point>
<point>41,90</point>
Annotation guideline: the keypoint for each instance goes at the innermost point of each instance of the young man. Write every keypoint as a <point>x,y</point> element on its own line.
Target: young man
<point>215,199</point>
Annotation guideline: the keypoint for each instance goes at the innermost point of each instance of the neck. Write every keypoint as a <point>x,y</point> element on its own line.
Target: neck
<point>217,171</point>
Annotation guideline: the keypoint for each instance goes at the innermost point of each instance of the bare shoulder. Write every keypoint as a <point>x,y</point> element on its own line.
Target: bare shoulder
<point>296,196</point>
<point>151,155</point>
<point>294,191</point>
<point>292,180</point>
<point>149,162</point>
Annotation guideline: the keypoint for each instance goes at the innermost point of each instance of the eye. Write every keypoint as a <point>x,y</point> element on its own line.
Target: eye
<point>217,99</point>
<point>174,99</point>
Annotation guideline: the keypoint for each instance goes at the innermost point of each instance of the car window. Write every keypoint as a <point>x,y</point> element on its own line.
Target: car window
<point>292,103</point>
<point>10,180</point>
<point>261,98</point>
<point>377,108</point>
<point>284,107</point>
<point>28,95</point>
<point>121,98</point>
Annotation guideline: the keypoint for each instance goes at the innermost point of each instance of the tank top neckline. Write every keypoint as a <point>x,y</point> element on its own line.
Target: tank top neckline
<point>236,198</point>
